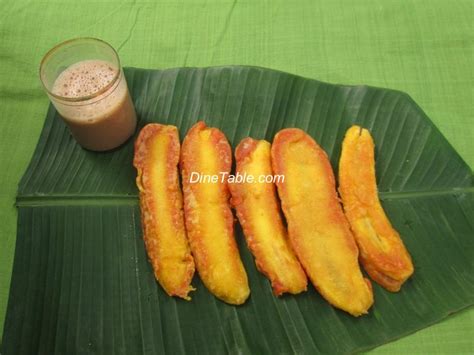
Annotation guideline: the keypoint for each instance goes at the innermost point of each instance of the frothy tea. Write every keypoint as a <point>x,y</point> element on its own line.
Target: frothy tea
<point>84,78</point>
<point>103,116</point>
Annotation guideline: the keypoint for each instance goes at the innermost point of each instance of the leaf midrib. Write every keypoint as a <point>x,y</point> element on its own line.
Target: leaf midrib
<point>113,200</point>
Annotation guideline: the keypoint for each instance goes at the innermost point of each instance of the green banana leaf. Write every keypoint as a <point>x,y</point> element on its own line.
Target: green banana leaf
<point>81,281</point>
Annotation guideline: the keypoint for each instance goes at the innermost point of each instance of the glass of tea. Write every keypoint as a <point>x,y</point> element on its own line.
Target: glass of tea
<point>85,82</point>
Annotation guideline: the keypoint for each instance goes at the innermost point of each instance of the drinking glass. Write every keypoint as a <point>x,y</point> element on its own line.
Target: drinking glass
<point>85,82</point>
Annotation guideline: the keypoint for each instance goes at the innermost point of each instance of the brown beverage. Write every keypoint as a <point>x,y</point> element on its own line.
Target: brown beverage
<point>93,98</point>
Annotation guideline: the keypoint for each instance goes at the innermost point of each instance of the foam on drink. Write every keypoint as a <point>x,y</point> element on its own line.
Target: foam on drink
<point>84,78</point>
<point>105,117</point>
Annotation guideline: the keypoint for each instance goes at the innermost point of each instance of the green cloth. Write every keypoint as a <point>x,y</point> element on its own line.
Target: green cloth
<point>421,47</point>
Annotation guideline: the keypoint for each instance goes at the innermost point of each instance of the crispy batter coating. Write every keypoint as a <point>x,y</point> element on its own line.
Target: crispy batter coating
<point>317,227</point>
<point>209,219</point>
<point>382,251</point>
<point>259,214</point>
<point>156,160</point>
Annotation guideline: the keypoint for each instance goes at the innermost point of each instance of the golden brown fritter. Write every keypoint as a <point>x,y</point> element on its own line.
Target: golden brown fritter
<point>317,227</point>
<point>209,219</point>
<point>259,215</point>
<point>382,251</point>
<point>156,160</point>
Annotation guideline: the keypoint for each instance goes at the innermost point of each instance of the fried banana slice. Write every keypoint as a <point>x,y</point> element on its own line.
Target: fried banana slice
<point>209,220</point>
<point>156,160</point>
<point>259,215</point>
<point>382,251</point>
<point>317,227</point>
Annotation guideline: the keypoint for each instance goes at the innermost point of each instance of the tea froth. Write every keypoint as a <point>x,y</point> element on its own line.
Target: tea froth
<point>84,78</point>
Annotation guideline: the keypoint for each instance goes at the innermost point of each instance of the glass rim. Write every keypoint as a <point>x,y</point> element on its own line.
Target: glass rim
<point>58,46</point>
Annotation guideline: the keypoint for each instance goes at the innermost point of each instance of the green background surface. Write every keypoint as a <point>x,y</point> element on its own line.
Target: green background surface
<point>424,48</point>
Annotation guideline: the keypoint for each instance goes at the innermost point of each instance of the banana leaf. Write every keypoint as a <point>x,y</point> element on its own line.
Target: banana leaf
<point>81,281</point>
